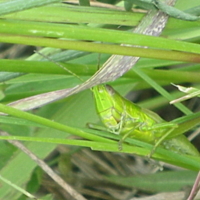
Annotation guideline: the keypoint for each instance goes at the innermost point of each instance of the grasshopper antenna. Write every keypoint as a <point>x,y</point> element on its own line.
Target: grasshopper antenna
<point>59,65</point>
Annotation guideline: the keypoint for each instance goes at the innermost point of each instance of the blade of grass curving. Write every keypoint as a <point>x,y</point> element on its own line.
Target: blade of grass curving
<point>152,24</point>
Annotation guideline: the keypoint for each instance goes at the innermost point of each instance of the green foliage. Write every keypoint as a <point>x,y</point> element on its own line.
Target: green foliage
<point>83,33</point>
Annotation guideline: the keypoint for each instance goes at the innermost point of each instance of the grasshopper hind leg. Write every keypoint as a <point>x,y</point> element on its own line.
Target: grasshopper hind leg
<point>160,141</point>
<point>127,135</point>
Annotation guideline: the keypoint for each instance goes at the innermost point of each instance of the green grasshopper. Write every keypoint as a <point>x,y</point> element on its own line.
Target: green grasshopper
<point>123,117</point>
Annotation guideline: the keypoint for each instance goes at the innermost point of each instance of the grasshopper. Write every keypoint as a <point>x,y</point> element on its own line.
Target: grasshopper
<point>123,117</point>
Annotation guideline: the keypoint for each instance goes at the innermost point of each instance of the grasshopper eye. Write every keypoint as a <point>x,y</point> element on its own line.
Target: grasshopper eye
<point>110,90</point>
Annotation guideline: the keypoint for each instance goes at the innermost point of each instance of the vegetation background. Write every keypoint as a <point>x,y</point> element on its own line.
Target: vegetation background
<point>67,33</point>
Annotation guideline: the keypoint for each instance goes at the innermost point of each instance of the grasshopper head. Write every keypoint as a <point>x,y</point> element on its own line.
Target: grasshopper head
<point>110,90</point>
<point>108,105</point>
<point>103,97</point>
